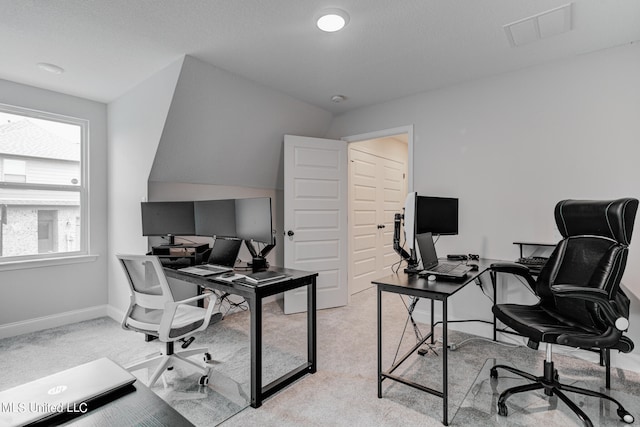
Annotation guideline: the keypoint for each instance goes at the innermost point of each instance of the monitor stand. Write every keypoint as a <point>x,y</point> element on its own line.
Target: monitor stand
<point>258,259</point>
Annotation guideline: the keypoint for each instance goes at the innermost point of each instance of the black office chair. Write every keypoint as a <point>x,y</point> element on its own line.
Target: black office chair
<point>580,300</point>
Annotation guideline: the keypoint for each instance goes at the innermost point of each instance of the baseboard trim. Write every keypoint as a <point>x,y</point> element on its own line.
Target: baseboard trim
<point>52,321</point>
<point>115,314</point>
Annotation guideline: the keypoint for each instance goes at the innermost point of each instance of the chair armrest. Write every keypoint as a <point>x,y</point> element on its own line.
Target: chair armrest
<point>514,268</point>
<point>596,296</point>
<point>170,311</point>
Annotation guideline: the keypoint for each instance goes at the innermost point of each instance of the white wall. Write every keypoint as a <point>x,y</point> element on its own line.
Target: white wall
<point>511,146</point>
<point>136,121</point>
<point>37,298</point>
<point>190,124</point>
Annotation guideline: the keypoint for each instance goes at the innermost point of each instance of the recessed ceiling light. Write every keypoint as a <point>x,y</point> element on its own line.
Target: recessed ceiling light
<point>332,20</point>
<point>50,68</point>
<point>338,98</point>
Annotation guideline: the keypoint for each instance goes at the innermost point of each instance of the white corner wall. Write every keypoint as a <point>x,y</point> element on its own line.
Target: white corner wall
<point>511,146</point>
<point>39,298</point>
<point>136,121</point>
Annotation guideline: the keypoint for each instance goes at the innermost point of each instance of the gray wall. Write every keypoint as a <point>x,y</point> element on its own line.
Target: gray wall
<point>36,298</point>
<point>513,145</point>
<point>223,129</point>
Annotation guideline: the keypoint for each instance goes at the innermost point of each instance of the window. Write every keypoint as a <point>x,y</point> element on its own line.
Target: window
<point>43,185</point>
<point>14,170</point>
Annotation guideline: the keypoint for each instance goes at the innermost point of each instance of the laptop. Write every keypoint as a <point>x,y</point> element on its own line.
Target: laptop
<point>224,252</point>
<point>65,392</point>
<point>221,260</point>
<point>431,265</point>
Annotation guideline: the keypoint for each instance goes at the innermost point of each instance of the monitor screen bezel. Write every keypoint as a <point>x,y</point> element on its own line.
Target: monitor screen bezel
<point>215,218</point>
<point>249,210</point>
<point>166,224</point>
<point>448,207</point>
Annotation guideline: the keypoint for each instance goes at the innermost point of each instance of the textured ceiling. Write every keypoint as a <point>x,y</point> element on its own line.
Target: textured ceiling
<point>389,49</point>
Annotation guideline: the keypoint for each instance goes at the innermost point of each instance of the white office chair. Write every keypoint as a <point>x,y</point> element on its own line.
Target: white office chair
<point>153,311</point>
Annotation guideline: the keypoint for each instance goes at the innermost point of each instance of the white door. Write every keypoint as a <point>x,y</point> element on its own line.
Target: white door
<point>378,190</point>
<point>315,218</point>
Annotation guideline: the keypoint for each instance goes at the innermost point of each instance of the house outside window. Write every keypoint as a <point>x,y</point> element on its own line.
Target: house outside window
<point>43,185</point>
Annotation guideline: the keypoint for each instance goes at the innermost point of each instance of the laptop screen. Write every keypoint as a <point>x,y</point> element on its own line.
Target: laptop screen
<point>427,250</point>
<point>225,252</point>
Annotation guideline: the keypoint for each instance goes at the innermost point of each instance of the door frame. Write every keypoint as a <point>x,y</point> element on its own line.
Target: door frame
<point>385,133</point>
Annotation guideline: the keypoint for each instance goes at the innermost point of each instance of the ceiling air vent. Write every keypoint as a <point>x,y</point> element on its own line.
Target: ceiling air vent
<point>536,27</point>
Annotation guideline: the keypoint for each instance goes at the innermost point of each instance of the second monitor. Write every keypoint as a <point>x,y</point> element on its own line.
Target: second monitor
<point>247,219</point>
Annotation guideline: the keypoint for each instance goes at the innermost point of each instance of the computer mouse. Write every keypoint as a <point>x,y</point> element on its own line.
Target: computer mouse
<point>474,267</point>
<point>431,278</point>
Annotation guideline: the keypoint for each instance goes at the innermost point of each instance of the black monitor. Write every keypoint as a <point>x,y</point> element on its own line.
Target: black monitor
<point>168,219</point>
<point>436,215</point>
<point>253,220</point>
<point>215,218</point>
<point>254,224</point>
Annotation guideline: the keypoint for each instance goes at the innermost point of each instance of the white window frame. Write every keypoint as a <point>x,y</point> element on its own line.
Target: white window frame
<point>54,258</point>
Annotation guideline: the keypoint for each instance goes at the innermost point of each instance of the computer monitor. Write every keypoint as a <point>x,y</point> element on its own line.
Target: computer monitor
<point>410,220</point>
<point>253,220</point>
<point>254,224</point>
<point>436,215</point>
<point>215,218</point>
<point>168,219</point>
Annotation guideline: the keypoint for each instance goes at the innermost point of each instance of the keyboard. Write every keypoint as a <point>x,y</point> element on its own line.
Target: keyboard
<point>534,263</point>
<point>216,268</point>
<point>206,269</point>
<point>444,268</point>
<point>447,270</point>
<point>533,260</point>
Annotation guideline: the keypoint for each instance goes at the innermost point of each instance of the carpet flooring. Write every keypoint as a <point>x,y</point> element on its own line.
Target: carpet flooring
<point>343,392</point>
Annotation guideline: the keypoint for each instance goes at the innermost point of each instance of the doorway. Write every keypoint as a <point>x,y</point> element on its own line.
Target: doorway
<point>317,218</point>
<point>378,182</point>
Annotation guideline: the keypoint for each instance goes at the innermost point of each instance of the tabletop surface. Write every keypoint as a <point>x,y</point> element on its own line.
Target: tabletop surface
<point>402,281</point>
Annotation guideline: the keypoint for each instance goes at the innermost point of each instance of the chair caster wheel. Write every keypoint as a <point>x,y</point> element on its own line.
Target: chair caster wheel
<point>207,357</point>
<point>204,380</point>
<point>625,416</point>
<point>169,368</point>
<point>502,409</point>
<point>493,373</point>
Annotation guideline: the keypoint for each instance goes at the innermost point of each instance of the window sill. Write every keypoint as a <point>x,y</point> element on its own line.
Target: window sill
<point>37,263</point>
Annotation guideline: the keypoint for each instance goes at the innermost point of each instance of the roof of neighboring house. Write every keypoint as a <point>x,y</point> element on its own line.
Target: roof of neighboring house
<point>24,138</point>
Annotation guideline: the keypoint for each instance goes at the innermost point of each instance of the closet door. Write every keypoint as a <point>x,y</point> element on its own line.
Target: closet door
<point>377,194</point>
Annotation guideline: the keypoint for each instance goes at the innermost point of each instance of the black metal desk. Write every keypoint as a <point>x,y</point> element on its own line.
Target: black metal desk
<point>413,285</point>
<point>254,295</point>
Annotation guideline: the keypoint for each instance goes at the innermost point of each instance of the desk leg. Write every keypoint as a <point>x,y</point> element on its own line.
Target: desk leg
<point>312,326</point>
<point>445,365</point>
<point>255,307</point>
<point>433,338</point>
<point>379,342</point>
<point>494,283</point>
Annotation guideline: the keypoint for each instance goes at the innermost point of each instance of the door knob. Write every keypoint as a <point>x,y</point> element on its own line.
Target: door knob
<point>380,226</point>
<point>290,233</point>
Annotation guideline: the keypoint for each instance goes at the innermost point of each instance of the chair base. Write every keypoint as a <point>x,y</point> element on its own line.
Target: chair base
<point>170,359</point>
<point>552,386</point>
